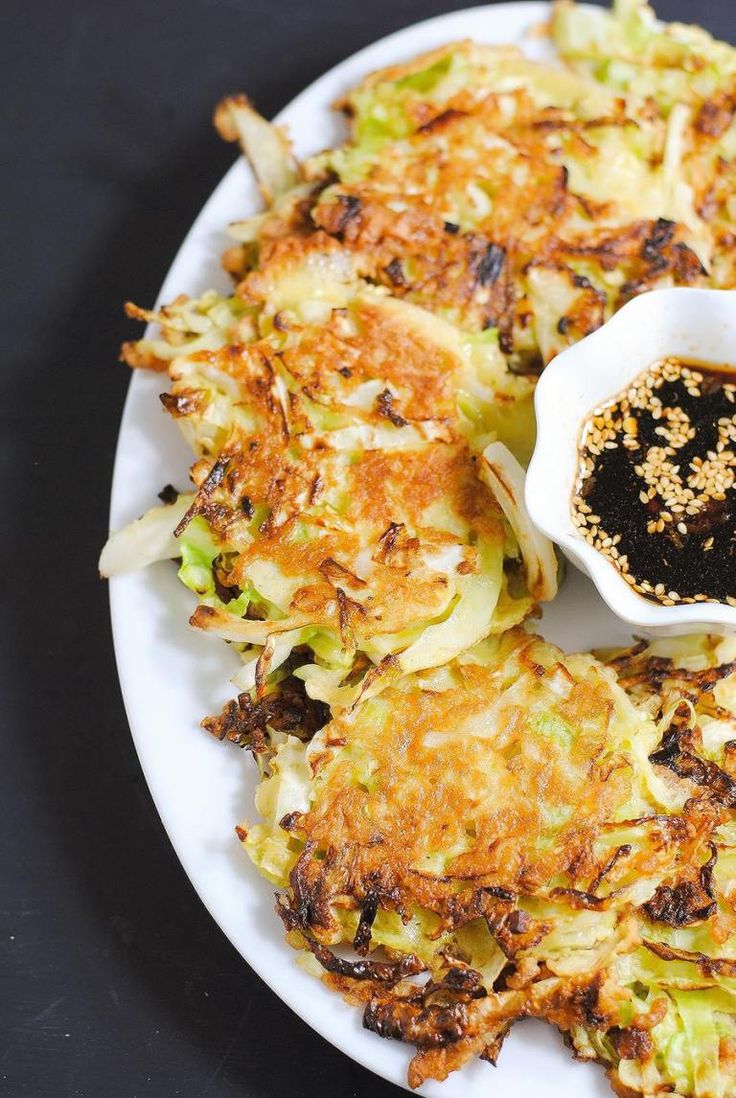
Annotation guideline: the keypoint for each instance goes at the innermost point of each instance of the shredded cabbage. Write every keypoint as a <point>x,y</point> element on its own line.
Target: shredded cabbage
<point>146,540</point>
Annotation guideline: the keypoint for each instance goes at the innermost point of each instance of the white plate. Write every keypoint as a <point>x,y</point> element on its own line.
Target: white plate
<point>171,676</point>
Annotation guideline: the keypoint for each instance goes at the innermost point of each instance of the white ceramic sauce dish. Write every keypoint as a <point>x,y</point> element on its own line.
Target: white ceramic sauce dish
<point>690,324</point>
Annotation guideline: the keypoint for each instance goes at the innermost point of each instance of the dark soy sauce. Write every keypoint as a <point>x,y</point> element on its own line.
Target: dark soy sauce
<point>656,490</point>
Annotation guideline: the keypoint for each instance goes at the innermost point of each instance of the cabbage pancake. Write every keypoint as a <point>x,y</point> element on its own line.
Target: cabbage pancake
<point>512,836</point>
<point>340,508</point>
<point>525,197</point>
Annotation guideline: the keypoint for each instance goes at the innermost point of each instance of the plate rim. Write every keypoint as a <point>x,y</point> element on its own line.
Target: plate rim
<point>359,1050</point>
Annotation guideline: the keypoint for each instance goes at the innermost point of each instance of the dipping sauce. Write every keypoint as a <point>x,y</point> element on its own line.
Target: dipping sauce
<point>655,489</point>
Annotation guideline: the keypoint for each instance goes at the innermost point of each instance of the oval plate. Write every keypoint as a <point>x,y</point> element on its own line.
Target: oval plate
<point>171,676</point>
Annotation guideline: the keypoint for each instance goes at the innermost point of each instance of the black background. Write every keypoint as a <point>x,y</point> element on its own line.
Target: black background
<point>114,981</point>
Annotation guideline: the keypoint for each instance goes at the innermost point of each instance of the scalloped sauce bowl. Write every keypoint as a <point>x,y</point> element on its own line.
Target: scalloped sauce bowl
<point>696,326</point>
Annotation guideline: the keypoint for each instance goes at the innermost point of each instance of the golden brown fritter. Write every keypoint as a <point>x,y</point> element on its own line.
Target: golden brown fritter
<point>513,837</point>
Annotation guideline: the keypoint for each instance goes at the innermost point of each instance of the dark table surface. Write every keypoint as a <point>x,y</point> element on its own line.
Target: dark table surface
<point>114,980</point>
